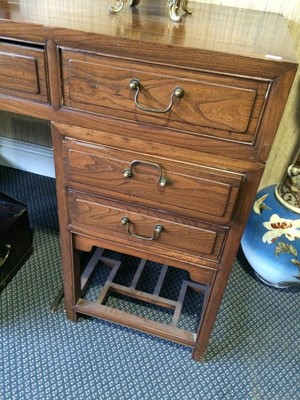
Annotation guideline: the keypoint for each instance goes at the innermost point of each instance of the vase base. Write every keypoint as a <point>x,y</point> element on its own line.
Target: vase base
<point>275,285</point>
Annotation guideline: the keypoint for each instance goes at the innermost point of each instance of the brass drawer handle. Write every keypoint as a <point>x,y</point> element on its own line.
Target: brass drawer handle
<point>136,85</point>
<point>4,259</point>
<point>162,181</point>
<point>156,232</point>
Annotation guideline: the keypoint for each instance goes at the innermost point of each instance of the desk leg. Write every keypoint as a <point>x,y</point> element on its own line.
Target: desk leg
<point>69,255</point>
<point>213,305</point>
<point>210,315</point>
<point>71,276</point>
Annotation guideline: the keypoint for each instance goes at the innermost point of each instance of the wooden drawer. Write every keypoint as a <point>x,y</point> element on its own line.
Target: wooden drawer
<point>167,185</point>
<point>23,71</point>
<point>220,106</point>
<point>180,236</point>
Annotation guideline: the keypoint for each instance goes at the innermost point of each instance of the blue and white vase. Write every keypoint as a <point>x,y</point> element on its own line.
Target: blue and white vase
<point>271,241</point>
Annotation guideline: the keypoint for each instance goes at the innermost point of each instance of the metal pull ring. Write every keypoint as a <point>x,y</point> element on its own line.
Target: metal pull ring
<point>156,232</point>
<point>4,259</point>
<point>162,181</point>
<point>136,85</point>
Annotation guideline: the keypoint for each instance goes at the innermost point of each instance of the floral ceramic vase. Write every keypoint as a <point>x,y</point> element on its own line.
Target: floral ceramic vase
<point>271,241</point>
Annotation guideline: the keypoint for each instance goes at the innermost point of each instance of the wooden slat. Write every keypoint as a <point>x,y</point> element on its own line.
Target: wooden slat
<point>160,280</point>
<point>116,265</point>
<point>143,296</point>
<point>87,272</point>
<point>138,273</point>
<point>179,304</point>
<point>120,317</point>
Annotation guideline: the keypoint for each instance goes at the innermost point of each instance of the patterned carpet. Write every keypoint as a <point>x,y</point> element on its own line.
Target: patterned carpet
<point>254,351</point>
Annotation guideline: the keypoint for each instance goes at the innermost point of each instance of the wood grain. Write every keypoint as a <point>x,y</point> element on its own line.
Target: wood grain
<point>100,170</point>
<point>237,67</point>
<point>287,140</point>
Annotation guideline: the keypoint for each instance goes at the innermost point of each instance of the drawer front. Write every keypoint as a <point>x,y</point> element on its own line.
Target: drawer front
<point>23,72</point>
<point>217,105</point>
<point>138,227</point>
<point>192,191</point>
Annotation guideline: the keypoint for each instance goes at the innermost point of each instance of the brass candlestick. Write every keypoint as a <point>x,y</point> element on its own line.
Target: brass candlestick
<point>288,190</point>
<point>174,6</point>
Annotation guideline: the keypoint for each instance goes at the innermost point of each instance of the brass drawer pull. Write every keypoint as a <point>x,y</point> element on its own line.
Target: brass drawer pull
<point>136,85</point>
<point>4,259</point>
<point>157,230</point>
<point>162,181</point>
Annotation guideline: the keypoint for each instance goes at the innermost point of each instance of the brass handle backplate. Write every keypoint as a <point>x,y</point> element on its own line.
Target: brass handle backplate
<point>135,84</point>
<point>4,259</point>
<point>156,232</point>
<point>128,172</point>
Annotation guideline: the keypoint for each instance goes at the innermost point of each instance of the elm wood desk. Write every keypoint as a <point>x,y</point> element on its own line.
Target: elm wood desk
<point>160,131</point>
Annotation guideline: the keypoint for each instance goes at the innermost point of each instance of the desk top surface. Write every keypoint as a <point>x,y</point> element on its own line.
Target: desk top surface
<point>213,28</point>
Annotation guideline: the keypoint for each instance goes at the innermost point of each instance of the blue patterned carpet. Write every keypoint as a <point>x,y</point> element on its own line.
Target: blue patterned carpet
<point>254,351</point>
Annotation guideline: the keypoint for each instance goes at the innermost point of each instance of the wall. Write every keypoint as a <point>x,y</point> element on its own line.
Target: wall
<point>27,129</point>
<point>287,140</point>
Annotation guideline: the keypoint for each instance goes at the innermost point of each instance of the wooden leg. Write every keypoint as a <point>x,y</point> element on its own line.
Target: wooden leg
<point>70,256</point>
<point>71,272</point>
<point>199,352</point>
<point>211,311</point>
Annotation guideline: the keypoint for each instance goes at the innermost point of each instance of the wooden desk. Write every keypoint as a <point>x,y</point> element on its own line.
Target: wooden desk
<point>142,168</point>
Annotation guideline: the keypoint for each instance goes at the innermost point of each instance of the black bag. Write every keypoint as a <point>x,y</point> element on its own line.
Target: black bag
<point>15,238</point>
